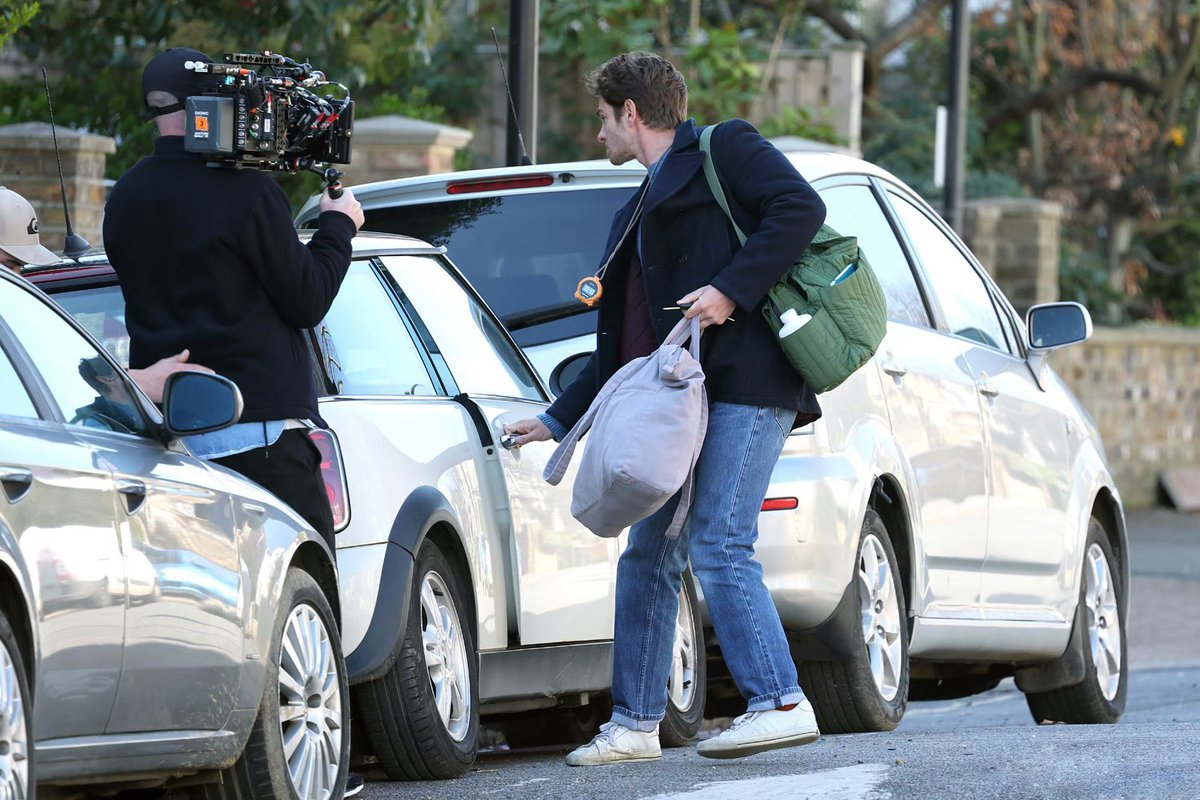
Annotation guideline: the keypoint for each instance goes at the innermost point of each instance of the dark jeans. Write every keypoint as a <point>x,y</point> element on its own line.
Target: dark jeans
<point>291,470</point>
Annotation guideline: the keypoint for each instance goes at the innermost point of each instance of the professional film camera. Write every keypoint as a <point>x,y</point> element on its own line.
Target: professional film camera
<point>263,111</point>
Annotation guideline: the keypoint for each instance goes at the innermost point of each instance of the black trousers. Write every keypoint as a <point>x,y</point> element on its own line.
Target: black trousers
<point>291,470</point>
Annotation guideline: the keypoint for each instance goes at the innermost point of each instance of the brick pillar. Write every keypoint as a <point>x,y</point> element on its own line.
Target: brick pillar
<point>1017,241</point>
<point>28,167</point>
<point>398,147</point>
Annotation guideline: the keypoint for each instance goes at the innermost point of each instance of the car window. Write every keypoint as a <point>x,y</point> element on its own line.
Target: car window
<point>963,295</point>
<point>480,356</point>
<point>521,252</point>
<point>374,349</point>
<point>89,391</point>
<point>14,398</point>
<point>101,312</point>
<point>854,211</point>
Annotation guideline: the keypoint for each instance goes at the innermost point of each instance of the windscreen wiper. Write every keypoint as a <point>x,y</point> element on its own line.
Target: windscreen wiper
<point>527,319</point>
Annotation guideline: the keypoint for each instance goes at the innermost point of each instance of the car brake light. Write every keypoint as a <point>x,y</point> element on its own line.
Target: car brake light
<point>780,504</point>
<point>497,184</point>
<point>334,476</point>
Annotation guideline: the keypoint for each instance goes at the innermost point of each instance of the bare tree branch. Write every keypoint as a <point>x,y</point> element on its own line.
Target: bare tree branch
<point>904,30</point>
<point>1051,96</point>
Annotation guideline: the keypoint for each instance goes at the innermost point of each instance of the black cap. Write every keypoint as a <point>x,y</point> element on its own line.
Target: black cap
<point>171,71</point>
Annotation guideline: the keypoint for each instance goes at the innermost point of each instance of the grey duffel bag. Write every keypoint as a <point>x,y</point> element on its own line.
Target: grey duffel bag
<point>647,427</point>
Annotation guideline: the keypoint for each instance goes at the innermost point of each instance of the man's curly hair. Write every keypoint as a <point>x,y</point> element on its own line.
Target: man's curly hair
<point>652,82</point>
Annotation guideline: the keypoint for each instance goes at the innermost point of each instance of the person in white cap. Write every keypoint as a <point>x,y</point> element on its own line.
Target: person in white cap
<point>21,245</point>
<point>19,241</point>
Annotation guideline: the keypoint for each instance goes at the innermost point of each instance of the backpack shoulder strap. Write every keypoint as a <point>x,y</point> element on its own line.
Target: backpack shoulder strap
<point>714,183</point>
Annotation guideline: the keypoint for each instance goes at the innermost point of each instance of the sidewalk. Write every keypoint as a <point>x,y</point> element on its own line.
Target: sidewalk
<point>1165,547</point>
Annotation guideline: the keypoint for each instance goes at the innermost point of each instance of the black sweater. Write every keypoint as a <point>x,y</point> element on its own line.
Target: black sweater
<point>209,260</point>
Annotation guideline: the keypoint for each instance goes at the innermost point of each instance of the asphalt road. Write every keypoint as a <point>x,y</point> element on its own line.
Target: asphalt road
<point>980,747</point>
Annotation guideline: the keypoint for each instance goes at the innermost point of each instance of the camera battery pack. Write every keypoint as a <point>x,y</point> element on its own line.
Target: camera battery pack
<point>210,125</point>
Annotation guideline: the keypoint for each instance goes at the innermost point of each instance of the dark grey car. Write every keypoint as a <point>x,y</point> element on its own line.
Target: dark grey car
<point>174,622</point>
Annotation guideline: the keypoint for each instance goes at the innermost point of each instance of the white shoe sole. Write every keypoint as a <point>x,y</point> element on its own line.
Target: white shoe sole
<point>761,746</point>
<point>605,762</point>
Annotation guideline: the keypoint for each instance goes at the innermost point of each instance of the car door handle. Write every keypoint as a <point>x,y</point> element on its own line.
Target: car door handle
<point>986,388</point>
<point>893,368</point>
<point>17,483</point>
<point>508,441</point>
<point>254,509</point>
<point>134,493</point>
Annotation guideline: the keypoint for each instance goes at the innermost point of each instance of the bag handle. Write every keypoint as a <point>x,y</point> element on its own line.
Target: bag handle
<point>556,466</point>
<point>714,183</point>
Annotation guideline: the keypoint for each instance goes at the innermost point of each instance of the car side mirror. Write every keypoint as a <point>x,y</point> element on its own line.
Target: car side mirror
<point>197,402</point>
<point>1054,325</point>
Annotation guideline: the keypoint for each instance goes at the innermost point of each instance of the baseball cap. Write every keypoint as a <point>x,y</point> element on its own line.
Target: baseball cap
<point>171,71</point>
<point>19,230</point>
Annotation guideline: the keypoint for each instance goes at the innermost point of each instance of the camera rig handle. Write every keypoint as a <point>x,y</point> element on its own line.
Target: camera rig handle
<point>330,175</point>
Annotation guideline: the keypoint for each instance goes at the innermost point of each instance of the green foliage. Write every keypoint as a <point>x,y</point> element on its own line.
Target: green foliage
<point>14,17</point>
<point>722,76</point>
<point>797,121</point>
<point>1172,276</point>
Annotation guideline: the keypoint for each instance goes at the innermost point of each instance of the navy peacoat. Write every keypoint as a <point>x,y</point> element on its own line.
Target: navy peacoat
<point>687,242</point>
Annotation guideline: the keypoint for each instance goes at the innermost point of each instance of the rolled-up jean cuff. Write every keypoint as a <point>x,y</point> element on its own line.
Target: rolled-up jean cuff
<point>638,722</point>
<point>769,702</point>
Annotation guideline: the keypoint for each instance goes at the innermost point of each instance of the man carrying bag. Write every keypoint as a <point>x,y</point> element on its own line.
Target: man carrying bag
<point>672,246</point>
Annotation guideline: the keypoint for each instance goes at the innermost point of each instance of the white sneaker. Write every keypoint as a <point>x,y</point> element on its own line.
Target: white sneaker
<point>616,744</point>
<point>759,731</point>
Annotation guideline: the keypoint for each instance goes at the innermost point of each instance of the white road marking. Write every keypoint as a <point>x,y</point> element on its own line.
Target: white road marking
<point>845,783</point>
<point>515,785</point>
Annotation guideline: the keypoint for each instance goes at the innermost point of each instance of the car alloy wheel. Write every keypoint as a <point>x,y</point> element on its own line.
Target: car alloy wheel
<point>1103,616</point>
<point>681,685</point>
<point>880,617</point>
<point>14,734</point>
<point>445,656</point>
<point>1098,640</point>
<point>310,704</point>
<point>421,717</point>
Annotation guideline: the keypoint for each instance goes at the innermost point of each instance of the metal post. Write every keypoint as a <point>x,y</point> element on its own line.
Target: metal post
<point>956,139</point>
<point>523,72</point>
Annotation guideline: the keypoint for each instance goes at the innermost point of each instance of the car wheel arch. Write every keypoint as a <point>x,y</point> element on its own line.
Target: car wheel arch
<point>890,503</point>
<point>13,602</point>
<point>314,560</point>
<point>425,514</point>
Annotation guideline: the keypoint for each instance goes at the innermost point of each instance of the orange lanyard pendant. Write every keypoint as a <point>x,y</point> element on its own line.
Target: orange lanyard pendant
<point>589,291</point>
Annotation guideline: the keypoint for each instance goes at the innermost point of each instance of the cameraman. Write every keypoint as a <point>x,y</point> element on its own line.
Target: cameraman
<point>209,257</point>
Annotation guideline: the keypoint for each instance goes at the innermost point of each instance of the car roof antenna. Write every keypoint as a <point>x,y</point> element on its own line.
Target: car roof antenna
<point>525,160</point>
<point>76,245</point>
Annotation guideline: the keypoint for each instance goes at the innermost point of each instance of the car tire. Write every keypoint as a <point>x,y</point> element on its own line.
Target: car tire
<point>16,718</point>
<point>422,716</point>
<point>293,753</point>
<point>868,691</point>
<point>1100,697</point>
<point>688,684</point>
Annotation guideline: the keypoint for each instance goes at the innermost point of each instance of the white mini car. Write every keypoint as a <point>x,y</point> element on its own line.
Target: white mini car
<point>950,521</point>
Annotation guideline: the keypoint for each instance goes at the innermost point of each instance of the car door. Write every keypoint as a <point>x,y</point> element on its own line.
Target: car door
<point>59,501</point>
<point>565,576</point>
<point>931,401</point>
<point>1026,439</point>
<point>175,537</point>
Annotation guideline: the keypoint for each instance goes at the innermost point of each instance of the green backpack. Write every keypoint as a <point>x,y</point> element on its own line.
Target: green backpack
<point>829,308</point>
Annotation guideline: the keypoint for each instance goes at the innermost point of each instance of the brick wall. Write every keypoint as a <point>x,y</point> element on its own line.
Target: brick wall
<point>1142,385</point>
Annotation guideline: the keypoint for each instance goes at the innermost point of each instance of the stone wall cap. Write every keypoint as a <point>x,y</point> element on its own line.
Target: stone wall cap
<point>39,136</point>
<point>1148,334</point>
<point>1029,205</point>
<point>397,129</point>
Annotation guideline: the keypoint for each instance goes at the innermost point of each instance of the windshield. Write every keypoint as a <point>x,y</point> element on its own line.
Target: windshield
<point>522,252</point>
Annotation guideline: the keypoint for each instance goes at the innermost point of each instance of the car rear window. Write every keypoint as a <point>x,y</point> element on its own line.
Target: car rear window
<point>523,252</point>
<point>101,311</point>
